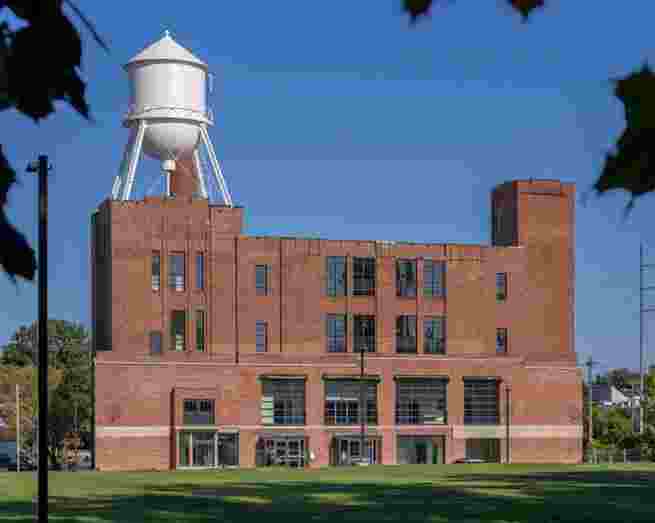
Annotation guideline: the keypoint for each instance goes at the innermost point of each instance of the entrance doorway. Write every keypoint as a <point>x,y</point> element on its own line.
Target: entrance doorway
<point>204,449</point>
<point>346,450</point>
<point>421,450</point>
<point>281,450</point>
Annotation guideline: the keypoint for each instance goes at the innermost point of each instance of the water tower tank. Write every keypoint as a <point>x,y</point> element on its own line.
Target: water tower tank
<point>168,87</point>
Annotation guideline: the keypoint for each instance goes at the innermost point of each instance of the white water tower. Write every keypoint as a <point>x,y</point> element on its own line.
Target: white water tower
<point>168,117</point>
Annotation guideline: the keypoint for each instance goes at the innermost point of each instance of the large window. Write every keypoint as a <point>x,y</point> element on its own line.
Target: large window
<point>261,336</point>
<point>261,279</point>
<point>433,278</point>
<point>434,335</point>
<point>207,449</point>
<point>342,400</point>
<point>200,271</point>
<point>155,271</point>
<point>176,277</point>
<point>336,333</point>
<point>364,333</point>
<point>485,449</point>
<point>406,278</point>
<point>363,276</point>
<point>421,401</point>
<point>336,276</point>
<point>283,402</point>
<point>198,412</point>
<point>178,330</point>
<point>200,331</point>
<point>480,401</point>
<point>501,286</point>
<point>501,341</point>
<point>406,334</point>
<point>155,342</point>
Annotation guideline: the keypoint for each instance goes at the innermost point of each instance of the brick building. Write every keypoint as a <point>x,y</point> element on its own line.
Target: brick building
<point>214,347</point>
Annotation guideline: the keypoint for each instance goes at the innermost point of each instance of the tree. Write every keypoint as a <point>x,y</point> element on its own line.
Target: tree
<point>70,402</point>
<point>39,64</point>
<point>632,166</point>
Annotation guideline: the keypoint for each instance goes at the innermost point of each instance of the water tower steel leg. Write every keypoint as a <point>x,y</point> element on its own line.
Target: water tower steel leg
<point>216,167</point>
<point>119,181</point>
<point>134,159</point>
<point>201,175</point>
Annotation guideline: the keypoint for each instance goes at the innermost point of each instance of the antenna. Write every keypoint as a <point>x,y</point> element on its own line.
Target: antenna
<point>643,309</point>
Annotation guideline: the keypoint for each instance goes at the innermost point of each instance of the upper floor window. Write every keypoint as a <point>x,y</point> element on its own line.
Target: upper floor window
<point>406,334</point>
<point>364,333</point>
<point>155,271</point>
<point>501,341</point>
<point>480,401</point>
<point>283,402</point>
<point>261,336</point>
<point>176,275</point>
<point>501,286</point>
<point>198,412</point>
<point>433,278</point>
<point>200,271</point>
<point>406,278</point>
<point>336,333</point>
<point>434,335</point>
<point>261,279</point>
<point>178,330</point>
<point>336,275</point>
<point>200,331</point>
<point>155,342</point>
<point>343,398</point>
<point>421,401</point>
<point>363,276</point>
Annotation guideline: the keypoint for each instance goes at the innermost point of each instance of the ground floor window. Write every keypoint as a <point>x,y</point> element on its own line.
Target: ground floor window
<point>346,450</point>
<point>485,449</point>
<point>421,450</point>
<point>290,451</point>
<point>207,449</point>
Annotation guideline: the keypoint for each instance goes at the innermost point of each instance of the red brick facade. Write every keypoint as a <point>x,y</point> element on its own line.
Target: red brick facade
<point>140,396</point>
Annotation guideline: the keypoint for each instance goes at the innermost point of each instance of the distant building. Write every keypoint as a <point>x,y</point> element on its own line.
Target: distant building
<point>607,395</point>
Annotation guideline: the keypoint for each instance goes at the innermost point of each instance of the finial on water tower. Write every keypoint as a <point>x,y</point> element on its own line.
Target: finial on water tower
<point>167,33</point>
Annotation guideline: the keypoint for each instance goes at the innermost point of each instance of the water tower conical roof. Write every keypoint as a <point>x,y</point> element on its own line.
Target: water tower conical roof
<point>166,49</point>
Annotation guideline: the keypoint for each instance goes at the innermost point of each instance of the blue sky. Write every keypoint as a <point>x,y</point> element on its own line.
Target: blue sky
<point>337,119</point>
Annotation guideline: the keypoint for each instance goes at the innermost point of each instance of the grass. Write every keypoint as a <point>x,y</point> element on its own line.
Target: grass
<point>454,493</point>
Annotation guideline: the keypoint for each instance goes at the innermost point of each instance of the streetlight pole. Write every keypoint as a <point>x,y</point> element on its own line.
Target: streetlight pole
<point>362,409</point>
<point>508,389</point>
<point>42,167</point>
<point>17,427</point>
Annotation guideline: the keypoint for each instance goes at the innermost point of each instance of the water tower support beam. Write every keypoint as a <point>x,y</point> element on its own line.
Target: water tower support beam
<point>134,159</point>
<point>119,181</point>
<point>201,175</point>
<point>218,174</point>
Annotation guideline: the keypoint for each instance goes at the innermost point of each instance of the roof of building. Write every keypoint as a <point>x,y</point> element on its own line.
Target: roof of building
<point>166,49</point>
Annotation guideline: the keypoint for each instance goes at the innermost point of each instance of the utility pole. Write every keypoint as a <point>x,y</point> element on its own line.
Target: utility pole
<point>17,427</point>
<point>42,167</point>
<point>589,364</point>
<point>642,310</point>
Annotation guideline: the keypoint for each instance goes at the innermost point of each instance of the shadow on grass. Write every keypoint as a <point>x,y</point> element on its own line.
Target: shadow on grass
<point>599,496</point>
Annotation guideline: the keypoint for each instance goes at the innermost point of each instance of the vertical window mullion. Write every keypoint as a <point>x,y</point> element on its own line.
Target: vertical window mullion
<point>200,330</point>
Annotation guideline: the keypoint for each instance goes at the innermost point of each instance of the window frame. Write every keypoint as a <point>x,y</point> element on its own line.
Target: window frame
<point>414,394</point>
<point>201,325</point>
<point>335,343</point>
<point>407,322</point>
<point>504,332</point>
<point>343,408</point>
<point>439,323</point>
<point>155,275</point>
<point>193,416</point>
<point>173,277</point>
<point>406,287</point>
<point>364,276</point>
<point>181,313</point>
<point>336,287</point>
<point>259,270</point>
<point>288,406</point>
<point>434,286</point>
<point>156,335</point>
<point>259,335</point>
<point>501,288</point>
<point>367,324</point>
<point>200,271</point>
<point>487,413</point>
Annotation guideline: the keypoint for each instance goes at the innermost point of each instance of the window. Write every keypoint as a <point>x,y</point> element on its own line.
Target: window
<point>487,449</point>
<point>200,271</point>
<point>433,278</point>
<point>261,279</point>
<point>176,273</point>
<point>501,286</point>
<point>155,342</point>
<point>336,333</point>
<point>342,399</point>
<point>261,336</point>
<point>434,335</point>
<point>155,271</point>
<point>498,224</point>
<point>364,333</point>
<point>406,278</point>
<point>178,330</point>
<point>336,276</point>
<point>283,402</point>
<point>406,334</point>
<point>200,331</point>
<point>363,276</point>
<point>198,412</point>
<point>501,341</point>
<point>480,401</point>
<point>421,401</point>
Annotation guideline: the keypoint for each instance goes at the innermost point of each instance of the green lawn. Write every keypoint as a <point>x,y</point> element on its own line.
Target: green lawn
<point>454,493</point>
